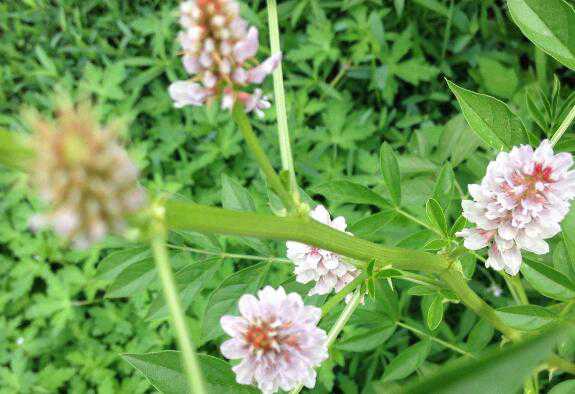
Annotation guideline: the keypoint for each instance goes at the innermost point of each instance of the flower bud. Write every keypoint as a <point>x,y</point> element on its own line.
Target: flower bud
<point>83,175</point>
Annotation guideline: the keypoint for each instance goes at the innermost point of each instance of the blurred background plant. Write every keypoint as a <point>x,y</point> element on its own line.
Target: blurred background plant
<point>357,73</point>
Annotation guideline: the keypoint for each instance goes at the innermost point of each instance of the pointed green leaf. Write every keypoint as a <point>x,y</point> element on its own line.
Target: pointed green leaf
<point>349,192</point>
<point>490,118</point>
<point>224,300</point>
<point>407,361</point>
<point>500,371</point>
<point>526,317</point>
<point>164,372</point>
<point>367,340</point>
<point>436,216</point>
<point>390,172</point>
<point>549,24</point>
<point>548,281</point>
<point>435,313</point>
<point>190,280</point>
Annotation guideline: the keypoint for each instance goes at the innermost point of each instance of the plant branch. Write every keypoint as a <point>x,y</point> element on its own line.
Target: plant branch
<point>435,339</point>
<point>457,282</point>
<point>182,215</point>
<point>160,252</point>
<point>225,255</point>
<point>280,102</point>
<point>253,143</point>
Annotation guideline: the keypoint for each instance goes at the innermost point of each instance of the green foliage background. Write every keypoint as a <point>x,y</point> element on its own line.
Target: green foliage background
<point>357,73</point>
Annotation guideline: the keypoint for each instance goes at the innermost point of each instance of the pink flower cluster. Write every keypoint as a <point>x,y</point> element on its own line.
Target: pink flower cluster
<point>218,51</point>
<point>328,270</point>
<point>277,339</point>
<point>520,203</point>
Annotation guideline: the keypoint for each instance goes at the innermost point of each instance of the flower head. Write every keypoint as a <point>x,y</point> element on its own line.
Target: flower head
<point>84,175</point>
<point>520,202</point>
<point>327,269</point>
<point>277,339</point>
<point>219,51</point>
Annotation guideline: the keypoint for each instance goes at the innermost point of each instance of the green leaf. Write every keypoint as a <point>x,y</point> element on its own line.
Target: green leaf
<point>435,313</point>
<point>549,24</point>
<point>189,280</point>
<point>113,264</point>
<point>376,28</point>
<point>500,371</point>
<point>390,172</point>
<point>568,234</point>
<point>444,186</point>
<point>499,80</point>
<point>368,340</point>
<point>567,387</point>
<point>237,198</point>
<point>526,317</point>
<point>480,335</point>
<point>371,224</point>
<point>457,142</point>
<point>164,372</point>
<point>548,281</point>
<point>134,278</point>
<point>349,192</point>
<point>224,300</point>
<point>490,118</point>
<point>407,361</point>
<point>436,216</point>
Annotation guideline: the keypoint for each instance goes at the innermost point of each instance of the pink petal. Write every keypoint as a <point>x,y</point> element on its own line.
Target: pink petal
<point>258,74</point>
<point>248,47</point>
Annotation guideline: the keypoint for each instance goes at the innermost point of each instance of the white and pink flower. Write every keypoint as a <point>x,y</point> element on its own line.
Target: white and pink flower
<point>277,340</point>
<point>328,270</point>
<point>520,203</point>
<point>219,52</point>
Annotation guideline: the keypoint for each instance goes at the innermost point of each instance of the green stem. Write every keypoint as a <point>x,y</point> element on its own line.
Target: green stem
<point>564,126</point>
<point>253,143</point>
<point>182,215</point>
<point>158,243</point>
<point>340,295</point>
<point>279,94</point>
<point>338,326</point>
<point>225,255</point>
<point>435,339</point>
<point>458,284</point>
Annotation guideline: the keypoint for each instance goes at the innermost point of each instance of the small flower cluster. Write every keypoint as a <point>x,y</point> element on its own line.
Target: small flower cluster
<point>328,270</point>
<point>277,339</point>
<point>218,50</point>
<point>520,202</point>
<point>85,176</point>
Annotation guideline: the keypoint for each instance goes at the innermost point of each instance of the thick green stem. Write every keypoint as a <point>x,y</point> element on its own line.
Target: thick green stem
<point>280,102</point>
<point>158,243</point>
<point>182,215</point>
<point>564,126</point>
<point>458,284</point>
<point>253,143</point>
